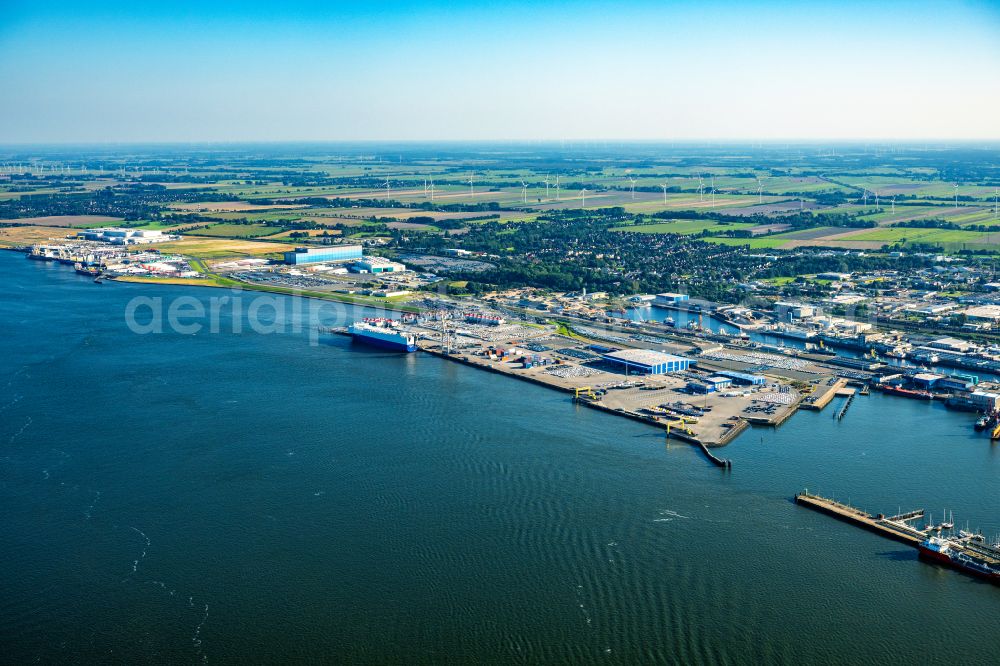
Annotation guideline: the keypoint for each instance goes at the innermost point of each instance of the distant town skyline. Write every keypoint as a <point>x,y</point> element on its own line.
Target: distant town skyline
<point>423,71</point>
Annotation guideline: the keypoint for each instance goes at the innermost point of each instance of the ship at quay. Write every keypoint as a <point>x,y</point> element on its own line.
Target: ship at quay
<point>384,333</point>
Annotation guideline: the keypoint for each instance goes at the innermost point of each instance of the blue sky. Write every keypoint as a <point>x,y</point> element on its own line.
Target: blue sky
<point>209,71</point>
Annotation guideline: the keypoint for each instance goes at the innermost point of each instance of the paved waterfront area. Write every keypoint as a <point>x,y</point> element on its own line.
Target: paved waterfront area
<point>570,365</point>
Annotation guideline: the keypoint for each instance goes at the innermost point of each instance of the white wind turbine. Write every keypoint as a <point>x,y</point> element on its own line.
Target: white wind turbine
<point>387,188</point>
<point>583,196</point>
<point>866,198</point>
<point>701,189</point>
<point>760,192</point>
<point>876,199</point>
<point>956,196</point>
<point>557,188</point>
<point>713,190</point>
<point>432,189</point>
<point>632,188</point>
<point>425,186</point>
<point>894,205</point>
<point>546,187</point>
<point>524,191</point>
<point>472,188</point>
<point>664,186</point>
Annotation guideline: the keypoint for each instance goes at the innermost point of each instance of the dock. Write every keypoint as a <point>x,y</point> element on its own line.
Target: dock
<point>823,395</point>
<point>850,393</point>
<point>896,527</point>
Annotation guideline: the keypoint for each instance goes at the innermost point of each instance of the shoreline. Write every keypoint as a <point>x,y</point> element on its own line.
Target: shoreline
<point>211,281</point>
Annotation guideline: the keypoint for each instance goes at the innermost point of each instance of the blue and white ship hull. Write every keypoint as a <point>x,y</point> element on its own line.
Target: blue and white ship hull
<point>384,337</point>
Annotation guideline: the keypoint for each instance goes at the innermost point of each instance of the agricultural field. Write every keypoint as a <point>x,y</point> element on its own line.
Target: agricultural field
<point>79,221</point>
<point>813,233</point>
<point>910,235</point>
<point>683,227</point>
<point>221,248</point>
<point>758,242</point>
<point>230,206</point>
<point>887,186</point>
<point>237,231</point>
<point>18,236</point>
<point>311,233</point>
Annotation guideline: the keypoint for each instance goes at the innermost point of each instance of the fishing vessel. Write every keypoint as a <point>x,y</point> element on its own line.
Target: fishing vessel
<point>383,333</point>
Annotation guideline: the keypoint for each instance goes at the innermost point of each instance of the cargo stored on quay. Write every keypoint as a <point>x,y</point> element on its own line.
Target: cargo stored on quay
<point>383,333</point>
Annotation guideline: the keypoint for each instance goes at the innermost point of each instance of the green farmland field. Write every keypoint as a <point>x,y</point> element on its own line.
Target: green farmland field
<point>684,227</point>
<point>237,231</point>
<point>909,235</point>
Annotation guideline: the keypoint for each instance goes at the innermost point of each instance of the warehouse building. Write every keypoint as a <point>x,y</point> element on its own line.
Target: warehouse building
<point>743,377</point>
<point>377,265</point>
<point>125,236</point>
<point>985,401</point>
<point>647,361</point>
<point>926,380</point>
<point>710,385</point>
<point>312,255</point>
<point>787,311</point>
<point>669,298</point>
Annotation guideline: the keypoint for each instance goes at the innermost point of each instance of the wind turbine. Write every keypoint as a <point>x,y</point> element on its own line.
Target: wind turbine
<point>664,186</point>
<point>524,191</point>
<point>701,188</point>
<point>632,180</point>
<point>432,189</point>
<point>956,196</point>
<point>713,190</point>
<point>557,188</point>
<point>866,198</point>
<point>472,188</point>
<point>894,205</point>
<point>876,199</point>
<point>583,195</point>
<point>546,187</point>
<point>995,203</point>
<point>386,188</point>
<point>760,191</point>
<point>425,187</point>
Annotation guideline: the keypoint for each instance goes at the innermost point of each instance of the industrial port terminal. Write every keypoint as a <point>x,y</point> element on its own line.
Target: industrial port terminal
<point>690,388</point>
<point>697,387</point>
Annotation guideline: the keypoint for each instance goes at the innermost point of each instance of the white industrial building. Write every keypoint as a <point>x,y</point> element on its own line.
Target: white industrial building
<point>377,265</point>
<point>647,361</point>
<point>669,298</point>
<point>785,311</point>
<point>125,236</point>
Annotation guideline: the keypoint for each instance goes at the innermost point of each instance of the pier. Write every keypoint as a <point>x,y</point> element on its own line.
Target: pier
<point>823,395</point>
<point>724,463</point>
<point>847,403</point>
<point>894,527</point>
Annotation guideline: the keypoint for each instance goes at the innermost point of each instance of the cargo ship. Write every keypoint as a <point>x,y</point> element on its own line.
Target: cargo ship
<point>382,333</point>
<point>905,393</point>
<point>969,560</point>
<point>89,271</point>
